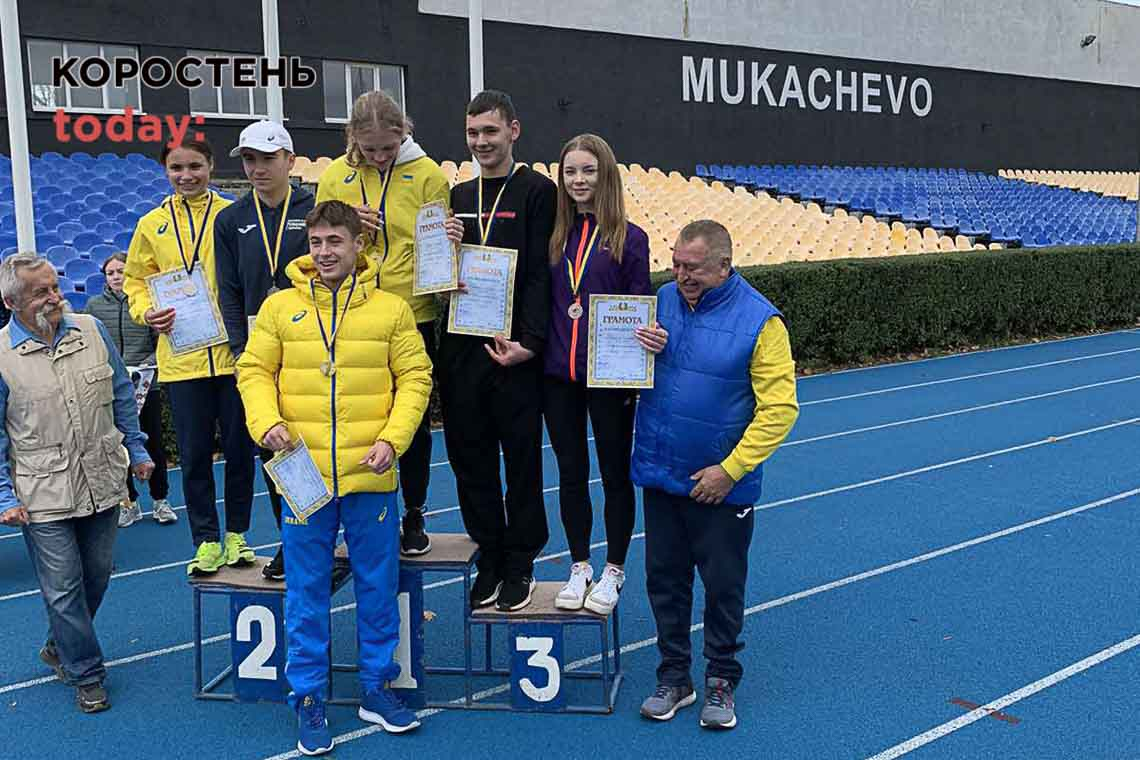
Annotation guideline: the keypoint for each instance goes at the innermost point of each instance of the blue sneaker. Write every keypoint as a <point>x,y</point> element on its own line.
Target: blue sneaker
<point>313,727</point>
<point>385,709</point>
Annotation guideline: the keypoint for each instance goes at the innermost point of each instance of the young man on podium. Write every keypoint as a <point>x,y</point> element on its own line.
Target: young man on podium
<point>339,364</point>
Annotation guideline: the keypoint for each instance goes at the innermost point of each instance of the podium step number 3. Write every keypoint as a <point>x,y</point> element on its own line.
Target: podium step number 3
<point>536,667</point>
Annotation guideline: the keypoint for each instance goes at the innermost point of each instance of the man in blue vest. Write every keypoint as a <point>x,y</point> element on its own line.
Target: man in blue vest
<point>723,400</point>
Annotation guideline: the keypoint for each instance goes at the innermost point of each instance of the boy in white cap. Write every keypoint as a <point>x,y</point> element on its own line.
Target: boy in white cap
<point>254,240</point>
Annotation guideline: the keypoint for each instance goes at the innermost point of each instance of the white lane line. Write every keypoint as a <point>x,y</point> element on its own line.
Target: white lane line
<point>951,463</point>
<point>1013,697</point>
<point>767,505</point>
<point>960,378</point>
<point>966,410</point>
<point>806,593</point>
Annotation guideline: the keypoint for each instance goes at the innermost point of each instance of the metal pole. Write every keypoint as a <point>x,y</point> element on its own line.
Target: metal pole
<point>17,125</point>
<point>272,52</point>
<point>475,44</point>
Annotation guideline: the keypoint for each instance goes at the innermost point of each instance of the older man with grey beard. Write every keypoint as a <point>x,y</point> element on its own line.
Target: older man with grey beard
<point>69,410</point>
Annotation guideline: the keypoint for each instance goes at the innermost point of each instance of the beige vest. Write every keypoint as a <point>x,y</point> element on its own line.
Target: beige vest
<point>66,455</point>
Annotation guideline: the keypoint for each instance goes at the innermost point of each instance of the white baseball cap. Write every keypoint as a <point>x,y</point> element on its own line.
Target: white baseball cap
<point>264,136</point>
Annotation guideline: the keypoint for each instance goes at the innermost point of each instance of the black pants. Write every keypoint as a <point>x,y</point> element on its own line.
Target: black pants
<point>415,464</point>
<point>565,405</point>
<point>681,534</point>
<point>150,421</point>
<point>486,407</point>
<point>274,498</point>
<point>199,406</point>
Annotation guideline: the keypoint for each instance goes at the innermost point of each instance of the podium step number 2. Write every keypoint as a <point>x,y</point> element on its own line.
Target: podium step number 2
<point>258,644</point>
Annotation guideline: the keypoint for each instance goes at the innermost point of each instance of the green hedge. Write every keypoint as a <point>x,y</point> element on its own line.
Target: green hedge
<point>857,310</point>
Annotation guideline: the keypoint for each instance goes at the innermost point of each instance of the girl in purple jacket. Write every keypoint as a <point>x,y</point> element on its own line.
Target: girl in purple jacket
<point>594,249</point>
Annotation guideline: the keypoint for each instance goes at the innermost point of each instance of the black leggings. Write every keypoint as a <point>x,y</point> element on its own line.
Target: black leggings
<point>565,406</point>
<point>415,464</point>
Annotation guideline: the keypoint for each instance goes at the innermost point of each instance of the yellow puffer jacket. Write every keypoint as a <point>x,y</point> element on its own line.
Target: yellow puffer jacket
<point>416,180</point>
<point>154,249</point>
<point>378,391</point>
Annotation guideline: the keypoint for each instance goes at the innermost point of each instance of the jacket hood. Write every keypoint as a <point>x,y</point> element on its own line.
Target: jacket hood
<point>301,271</point>
<point>410,150</point>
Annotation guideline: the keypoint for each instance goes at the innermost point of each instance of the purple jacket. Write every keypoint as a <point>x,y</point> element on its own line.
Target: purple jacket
<point>604,276</point>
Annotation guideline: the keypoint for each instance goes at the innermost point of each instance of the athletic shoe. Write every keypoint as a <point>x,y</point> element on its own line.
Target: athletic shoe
<point>515,594</point>
<point>604,595</point>
<point>573,594</point>
<point>129,514</point>
<point>275,570</point>
<point>414,540</point>
<point>237,551</point>
<point>92,698</point>
<point>163,513</point>
<point>665,701</point>
<point>485,590</point>
<point>313,735</point>
<point>386,710</point>
<point>720,709</point>
<point>208,560</point>
<point>51,658</point>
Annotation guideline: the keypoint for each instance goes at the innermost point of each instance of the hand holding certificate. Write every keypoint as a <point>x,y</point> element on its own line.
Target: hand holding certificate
<point>616,359</point>
<point>487,306</point>
<point>435,260</point>
<point>197,321</point>
<point>298,480</point>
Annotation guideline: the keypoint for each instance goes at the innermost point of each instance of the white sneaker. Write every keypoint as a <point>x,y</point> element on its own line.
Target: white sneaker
<point>573,594</point>
<point>129,514</point>
<point>604,596</point>
<point>163,513</point>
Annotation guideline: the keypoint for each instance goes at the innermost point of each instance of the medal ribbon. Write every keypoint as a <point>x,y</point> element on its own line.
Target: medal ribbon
<point>330,341</point>
<point>578,268</point>
<point>485,230</point>
<point>189,267</point>
<point>273,254</point>
<point>385,180</point>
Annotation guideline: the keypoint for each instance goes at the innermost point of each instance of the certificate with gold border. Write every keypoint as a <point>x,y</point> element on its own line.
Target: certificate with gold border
<point>488,305</point>
<point>615,358</point>
<point>435,266</point>
<point>298,480</point>
<point>197,319</point>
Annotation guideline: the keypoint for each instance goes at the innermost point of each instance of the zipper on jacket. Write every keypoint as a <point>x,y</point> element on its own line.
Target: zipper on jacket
<point>210,358</point>
<point>332,398</point>
<point>122,338</point>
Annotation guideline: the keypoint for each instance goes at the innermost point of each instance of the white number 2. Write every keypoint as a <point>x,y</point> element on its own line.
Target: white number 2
<point>253,666</point>
<point>541,646</point>
<point>404,648</point>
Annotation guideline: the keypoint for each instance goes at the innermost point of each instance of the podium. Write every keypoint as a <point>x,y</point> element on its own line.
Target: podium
<point>537,672</point>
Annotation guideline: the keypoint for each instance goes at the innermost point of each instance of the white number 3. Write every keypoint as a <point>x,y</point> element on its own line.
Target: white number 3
<point>253,666</point>
<point>541,646</point>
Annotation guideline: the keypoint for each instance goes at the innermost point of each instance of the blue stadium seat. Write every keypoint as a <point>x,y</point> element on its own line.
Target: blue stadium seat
<point>78,301</point>
<point>111,209</point>
<point>91,219</point>
<point>122,241</point>
<point>74,209</point>
<point>68,230</point>
<point>85,241</point>
<point>95,200</point>
<point>80,269</point>
<point>53,219</point>
<point>81,158</point>
<point>61,255</point>
<point>94,284</point>
<point>8,252</point>
<point>128,219</point>
<point>46,240</point>
<point>99,253</point>
<point>108,230</point>
<point>66,285</point>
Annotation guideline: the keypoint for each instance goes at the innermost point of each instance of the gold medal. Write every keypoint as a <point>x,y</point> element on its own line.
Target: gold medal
<point>189,289</point>
<point>328,369</point>
<point>574,311</point>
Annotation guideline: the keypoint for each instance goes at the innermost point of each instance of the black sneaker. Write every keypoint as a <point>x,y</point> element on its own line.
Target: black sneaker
<point>515,594</point>
<point>414,540</point>
<point>91,698</point>
<point>51,658</point>
<point>486,589</point>
<point>275,570</point>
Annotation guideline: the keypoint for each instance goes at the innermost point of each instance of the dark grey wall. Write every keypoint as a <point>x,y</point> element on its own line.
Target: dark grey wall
<point>628,89</point>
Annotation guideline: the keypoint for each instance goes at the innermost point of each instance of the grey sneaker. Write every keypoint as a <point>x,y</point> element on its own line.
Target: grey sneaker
<point>91,698</point>
<point>163,513</point>
<point>720,709</point>
<point>129,514</point>
<point>51,658</point>
<point>665,701</point>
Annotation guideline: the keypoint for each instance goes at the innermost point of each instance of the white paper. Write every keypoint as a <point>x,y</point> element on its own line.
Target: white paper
<point>435,269</point>
<point>486,308</point>
<point>616,359</point>
<point>298,480</point>
<point>142,378</point>
<point>197,321</point>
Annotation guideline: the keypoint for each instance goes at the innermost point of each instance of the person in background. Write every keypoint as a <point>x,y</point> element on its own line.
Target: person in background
<point>386,176</point>
<point>136,345</point>
<point>179,234</point>
<point>70,432</point>
<point>255,239</point>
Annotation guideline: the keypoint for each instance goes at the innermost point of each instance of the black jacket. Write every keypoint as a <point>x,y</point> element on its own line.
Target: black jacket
<point>242,263</point>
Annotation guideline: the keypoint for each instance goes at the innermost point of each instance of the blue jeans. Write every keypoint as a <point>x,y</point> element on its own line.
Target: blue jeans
<point>73,560</point>
<point>372,532</point>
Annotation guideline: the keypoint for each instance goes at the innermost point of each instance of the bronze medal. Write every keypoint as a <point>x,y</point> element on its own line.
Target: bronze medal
<point>574,311</point>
